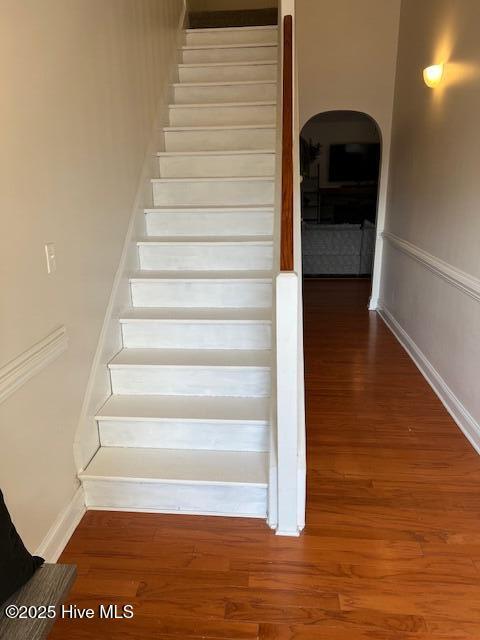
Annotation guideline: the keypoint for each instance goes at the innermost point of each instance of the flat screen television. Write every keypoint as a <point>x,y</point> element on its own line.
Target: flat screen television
<point>354,162</point>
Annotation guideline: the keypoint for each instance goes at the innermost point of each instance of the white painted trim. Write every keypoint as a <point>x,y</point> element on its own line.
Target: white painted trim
<point>62,529</point>
<point>19,370</point>
<point>183,19</point>
<point>453,405</point>
<point>460,279</point>
<point>287,402</point>
<point>185,512</point>
<point>373,303</point>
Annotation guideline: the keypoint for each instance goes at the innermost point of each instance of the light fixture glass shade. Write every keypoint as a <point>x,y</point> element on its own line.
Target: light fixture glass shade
<point>432,75</point>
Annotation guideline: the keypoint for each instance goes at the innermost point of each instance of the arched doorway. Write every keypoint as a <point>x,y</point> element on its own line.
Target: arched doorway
<point>340,155</point>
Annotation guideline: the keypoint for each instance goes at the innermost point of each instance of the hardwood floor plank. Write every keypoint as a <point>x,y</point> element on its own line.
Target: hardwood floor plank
<point>319,549</point>
<point>257,612</point>
<point>148,628</point>
<point>352,632</point>
<point>165,578</point>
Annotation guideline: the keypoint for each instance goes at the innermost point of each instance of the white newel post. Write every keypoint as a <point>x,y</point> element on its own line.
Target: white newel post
<point>287,402</point>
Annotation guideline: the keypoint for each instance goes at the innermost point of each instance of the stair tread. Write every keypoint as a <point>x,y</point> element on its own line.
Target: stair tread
<point>194,408</point>
<point>191,358</point>
<point>212,208</point>
<point>236,63</point>
<point>200,275</point>
<point>222,127</point>
<point>219,314</point>
<point>266,27</point>
<point>214,240</point>
<point>217,153</point>
<point>238,45</point>
<point>205,105</point>
<point>214,179</point>
<point>222,83</point>
<point>178,465</point>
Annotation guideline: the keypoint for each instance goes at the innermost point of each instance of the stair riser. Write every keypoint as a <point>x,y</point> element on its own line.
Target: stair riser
<point>210,116</point>
<point>258,164</point>
<point>243,192</point>
<point>215,436</point>
<point>230,54</point>
<point>196,335</point>
<point>205,257</point>
<point>191,380</point>
<point>233,295</point>
<point>228,73</point>
<point>220,140</point>
<point>266,91</point>
<point>234,36</point>
<point>164,497</point>
<point>209,224</point>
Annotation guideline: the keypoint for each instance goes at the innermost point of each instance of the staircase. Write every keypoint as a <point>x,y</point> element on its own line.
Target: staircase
<point>186,428</point>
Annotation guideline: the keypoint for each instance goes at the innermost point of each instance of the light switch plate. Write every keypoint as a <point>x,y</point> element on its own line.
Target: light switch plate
<point>51,257</point>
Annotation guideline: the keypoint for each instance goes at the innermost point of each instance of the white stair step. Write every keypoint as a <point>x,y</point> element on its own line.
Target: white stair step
<point>189,372</point>
<point>203,254</point>
<point>196,328</point>
<point>181,115</point>
<point>221,71</point>
<point>206,221</point>
<point>241,190</point>
<point>173,422</point>
<point>172,481</point>
<point>233,91</point>
<point>195,409</point>
<point>216,164</point>
<point>215,138</point>
<point>232,35</point>
<point>230,289</point>
<point>229,53</point>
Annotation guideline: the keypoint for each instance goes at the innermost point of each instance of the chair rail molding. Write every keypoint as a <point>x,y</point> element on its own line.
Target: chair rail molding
<point>460,279</point>
<point>19,370</point>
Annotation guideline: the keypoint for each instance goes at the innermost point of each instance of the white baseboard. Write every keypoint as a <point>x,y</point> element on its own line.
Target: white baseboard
<point>62,529</point>
<point>288,534</point>
<point>454,406</point>
<point>213,514</point>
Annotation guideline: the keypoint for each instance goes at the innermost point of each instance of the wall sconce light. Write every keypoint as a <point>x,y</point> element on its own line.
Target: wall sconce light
<point>433,75</point>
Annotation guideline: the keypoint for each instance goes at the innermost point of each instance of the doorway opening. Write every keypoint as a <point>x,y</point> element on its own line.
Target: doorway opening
<point>340,155</point>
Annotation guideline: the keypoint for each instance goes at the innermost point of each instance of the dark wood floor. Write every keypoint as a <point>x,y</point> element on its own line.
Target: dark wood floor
<point>391,550</point>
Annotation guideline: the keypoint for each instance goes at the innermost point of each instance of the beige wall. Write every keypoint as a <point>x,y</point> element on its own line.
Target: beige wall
<point>435,190</point>
<point>346,56</point>
<point>346,60</point>
<point>81,81</point>
<point>230,5</point>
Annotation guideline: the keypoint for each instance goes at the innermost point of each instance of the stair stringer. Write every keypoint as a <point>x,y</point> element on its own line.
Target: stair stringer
<point>98,389</point>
